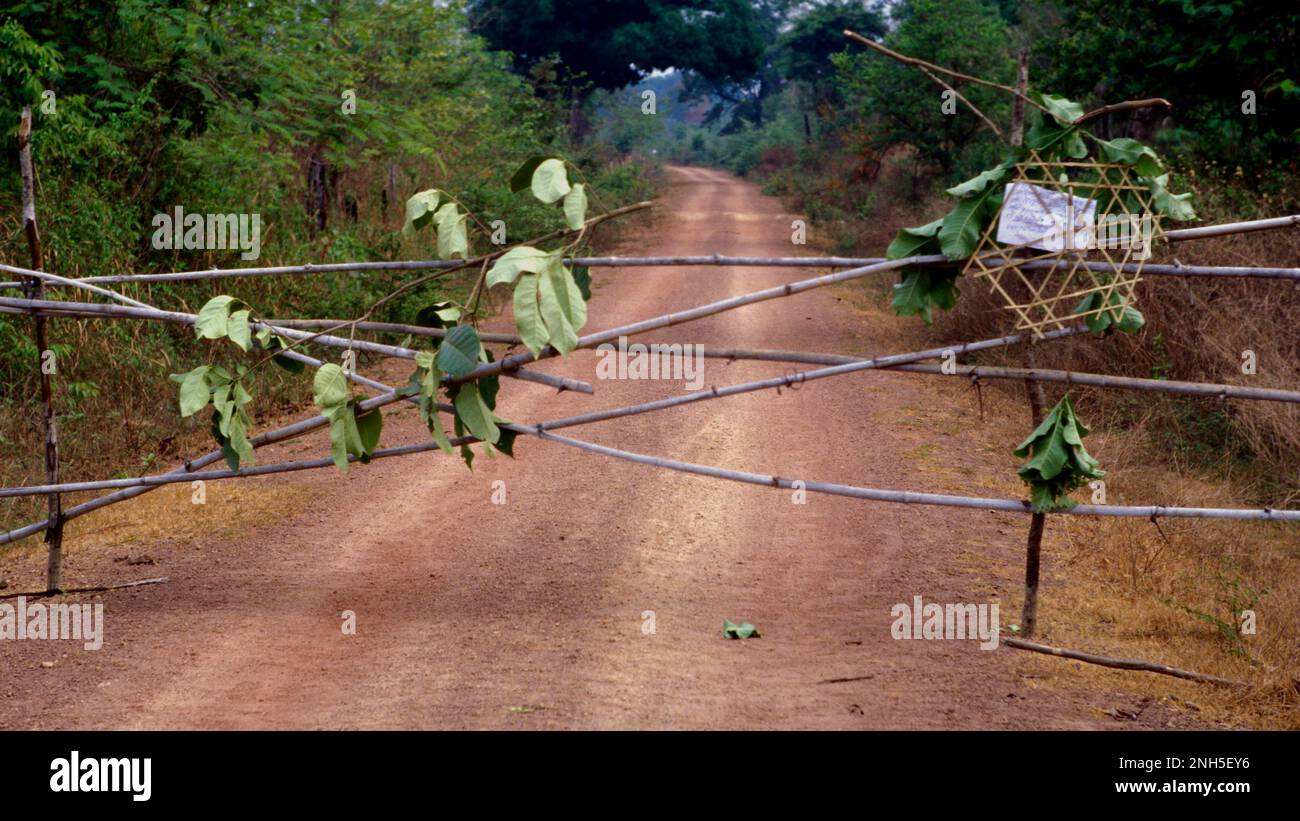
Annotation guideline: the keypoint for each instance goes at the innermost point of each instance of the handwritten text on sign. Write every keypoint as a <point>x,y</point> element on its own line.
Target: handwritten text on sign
<point>1038,217</point>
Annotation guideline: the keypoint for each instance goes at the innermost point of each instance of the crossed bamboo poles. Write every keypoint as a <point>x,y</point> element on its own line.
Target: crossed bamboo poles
<point>514,366</point>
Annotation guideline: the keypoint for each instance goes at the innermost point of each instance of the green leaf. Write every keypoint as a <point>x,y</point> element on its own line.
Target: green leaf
<point>238,330</point>
<point>512,263</point>
<point>582,277</point>
<point>523,177</point>
<point>488,388</point>
<point>270,342</point>
<point>427,378</point>
<point>237,434</point>
<point>439,435</point>
<point>195,390</point>
<point>911,294</point>
<point>1174,206</point>
<point>438,315</point>
<point>1050,140</point>
<point>506,442</point>
<point>528,315</point>
<point>943,289</point>
<point>475,414</point>
<point>1096,322</point>
<point>291,365</point>
<point>980,183</point>
<point>731,630</point>
<point>1131,321</point>
<point>562,307</point>
<point>370,425</point>
<point>1059,463</point>
<point>213,317</point>
<point>960,233</point>
<point>331,386</point>
<point>453,237</point>
<point>466,452</point>
<point>343,426</point>
<point>227,452</point>
<point>575,207</point>
<point>550,181</point>
<point>1062,110</point>
<point>419,210</point>
<point>459,352</point>
<point>1129,151</point>
<point>911,242</point>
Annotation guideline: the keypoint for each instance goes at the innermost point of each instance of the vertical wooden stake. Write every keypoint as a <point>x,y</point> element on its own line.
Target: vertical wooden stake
<point>35,290</point>
<point>1037,398</point>
<point>1037,521</point>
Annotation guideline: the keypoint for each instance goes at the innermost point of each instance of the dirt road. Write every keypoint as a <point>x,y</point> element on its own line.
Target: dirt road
<point>595,596</point>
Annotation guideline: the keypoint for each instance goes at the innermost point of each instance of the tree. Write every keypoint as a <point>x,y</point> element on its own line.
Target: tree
<point>902,106</point>
<point>803,53</point>
<point>1203,57</point>
<point>614,43</point>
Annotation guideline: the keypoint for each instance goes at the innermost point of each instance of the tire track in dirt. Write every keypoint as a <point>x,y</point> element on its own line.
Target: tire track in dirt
<point>530,614</point>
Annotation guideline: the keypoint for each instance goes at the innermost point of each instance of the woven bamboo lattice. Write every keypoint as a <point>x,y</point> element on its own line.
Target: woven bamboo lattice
<point>1060,296</point>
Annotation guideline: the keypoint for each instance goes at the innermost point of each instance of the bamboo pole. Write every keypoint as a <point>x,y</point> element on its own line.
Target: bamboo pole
<point>187,471</point>
<point>1120,382</point>
<point>92,310</point>
<point>1176,269</point>
<point>382,265</point>
<point>872,494</point>
<point>1098,380</point>
<point>1183,234</point>
<point>801,357</point>
<point>387,328</point>
<point>917,498</point>
<point>387,396</point>
<point>668,320</point>
<point>35,291</point>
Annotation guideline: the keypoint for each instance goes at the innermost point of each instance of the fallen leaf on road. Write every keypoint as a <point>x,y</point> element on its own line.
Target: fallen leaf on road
<point>739,631</point>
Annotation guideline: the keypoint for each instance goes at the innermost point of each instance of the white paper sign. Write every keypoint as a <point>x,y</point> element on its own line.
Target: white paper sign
<point>1040,218</point>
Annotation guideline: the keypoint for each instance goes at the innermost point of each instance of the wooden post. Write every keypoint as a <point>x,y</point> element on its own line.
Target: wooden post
<point>1037,398</point>
<point>35,290</point>
<point>1034,546</point>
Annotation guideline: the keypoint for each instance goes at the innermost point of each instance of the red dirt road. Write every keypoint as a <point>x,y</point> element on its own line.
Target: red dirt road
<point>537,613</point>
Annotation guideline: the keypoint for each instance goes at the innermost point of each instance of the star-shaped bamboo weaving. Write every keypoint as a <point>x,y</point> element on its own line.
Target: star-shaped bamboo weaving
<point>1060,294</point>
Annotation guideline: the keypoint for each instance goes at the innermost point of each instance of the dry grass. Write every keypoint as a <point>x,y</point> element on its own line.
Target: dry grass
<point>1174,593</point>
<point>148,527</point>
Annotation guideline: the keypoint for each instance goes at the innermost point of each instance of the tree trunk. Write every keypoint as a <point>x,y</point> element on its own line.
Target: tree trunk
<point>317,197</point>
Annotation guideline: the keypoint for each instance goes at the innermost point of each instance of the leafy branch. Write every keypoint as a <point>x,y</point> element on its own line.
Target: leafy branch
<point>550,308</point>
<point>1055,134</point>
<point>1059,463</point>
